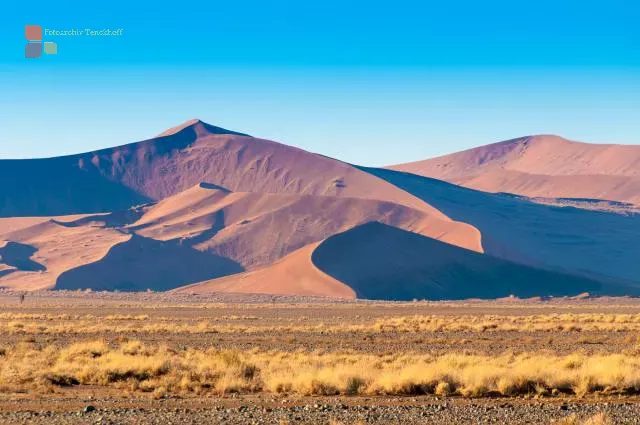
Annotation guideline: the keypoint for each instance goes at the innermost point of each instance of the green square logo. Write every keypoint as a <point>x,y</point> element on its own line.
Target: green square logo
<point>50,48</point>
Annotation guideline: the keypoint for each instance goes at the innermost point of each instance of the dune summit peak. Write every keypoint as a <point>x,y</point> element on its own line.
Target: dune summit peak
<point>200,127</point>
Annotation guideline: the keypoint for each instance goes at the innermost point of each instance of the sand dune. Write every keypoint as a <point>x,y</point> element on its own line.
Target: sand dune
<point>57,248</point>
<point>171,164</point>
<point>89,252</point>
<point>16,256</point>
<point>139,263</point>
<point>541,166</point>
<point>222,211</point>
<point>202,233</point>
<point>13,224</point>
<point>47,187</point>
<point>600,245</point>
<point>201,129</point>
<point>255,229</point>
<point>376,261</point>
<point>294,274</point>
<point>115,179</point>
<point>383,262</point>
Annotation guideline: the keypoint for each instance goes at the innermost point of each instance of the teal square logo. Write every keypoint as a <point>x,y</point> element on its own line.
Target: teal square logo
<point>50,48</point>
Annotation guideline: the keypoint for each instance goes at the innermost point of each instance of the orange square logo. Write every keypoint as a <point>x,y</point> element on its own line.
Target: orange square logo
<point>33,32</point>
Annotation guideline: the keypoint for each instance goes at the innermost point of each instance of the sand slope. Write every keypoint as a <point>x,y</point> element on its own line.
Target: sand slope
<point>198,152</point>
<point>47,187</point>
<point>200,234</point>
<point>377,261</point>
<point>54,247</point>
<point>117,178</point>
<point>222,211</point>
<point>294,274</point>
<point>595,244</point>
<point>255,229</point>
<point>541,166</point>
<point>139,263</point>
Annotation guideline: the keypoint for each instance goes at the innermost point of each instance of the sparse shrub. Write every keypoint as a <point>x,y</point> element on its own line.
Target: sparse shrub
<point>443,389</point>
<point>600,418</point>
<point>354,384</point>
<point>159,393</point>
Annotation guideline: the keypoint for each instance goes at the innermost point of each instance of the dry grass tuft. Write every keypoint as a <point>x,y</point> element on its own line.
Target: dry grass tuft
<point>482,323</point>
<point>48,324</point>
<point>600,418</point>
<point>163,370</point>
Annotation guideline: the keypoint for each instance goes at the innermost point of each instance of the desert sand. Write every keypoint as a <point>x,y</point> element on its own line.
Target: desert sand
<point>377,261</point>
<point>541,166</point>
<point>200,209</point>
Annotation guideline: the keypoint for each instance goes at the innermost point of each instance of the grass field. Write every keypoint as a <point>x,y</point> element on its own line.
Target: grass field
<point>153,349</point>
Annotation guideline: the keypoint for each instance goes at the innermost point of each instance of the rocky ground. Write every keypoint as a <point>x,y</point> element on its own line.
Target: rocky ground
<point>252,410</point>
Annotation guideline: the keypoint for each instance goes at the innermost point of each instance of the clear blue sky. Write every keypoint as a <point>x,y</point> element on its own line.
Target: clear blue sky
<point>369,82</point>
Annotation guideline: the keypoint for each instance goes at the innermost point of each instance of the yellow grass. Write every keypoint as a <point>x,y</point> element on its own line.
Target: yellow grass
<point>19,323</point>
<point>529,323</point>
<point>597,419</point>
<point>163,370</point>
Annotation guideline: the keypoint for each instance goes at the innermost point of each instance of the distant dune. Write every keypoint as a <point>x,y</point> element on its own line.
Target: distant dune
<point>541,166</point>
<point>596,244</point>
<point>203,209</point>
<point>116,178</point>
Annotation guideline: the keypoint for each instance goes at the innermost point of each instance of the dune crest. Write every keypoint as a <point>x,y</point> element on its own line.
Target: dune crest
<point>541,166</point>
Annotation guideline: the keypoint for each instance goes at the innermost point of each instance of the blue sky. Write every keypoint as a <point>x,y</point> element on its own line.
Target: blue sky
<point>368,82</point>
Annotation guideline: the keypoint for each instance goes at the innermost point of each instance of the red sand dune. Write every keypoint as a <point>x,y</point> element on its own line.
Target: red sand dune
<point>257,228</point>
<point>55,248</point>
<point>596,244</point>
<point>377,261</point>
<point>116,178</point>
<point>294,274</point>
<point>196,235</point>
<point>541,166</point>
<point>197,152</point>
<point>275,219</point>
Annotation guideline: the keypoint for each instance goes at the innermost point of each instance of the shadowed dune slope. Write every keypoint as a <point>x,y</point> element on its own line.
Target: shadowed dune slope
<point>140,263</point>
<point>46,187</point>
<point>596,244</point>
<point>383,262</point>
<point>16,256</point>
<point>541,166</point>
<point>294,274</point>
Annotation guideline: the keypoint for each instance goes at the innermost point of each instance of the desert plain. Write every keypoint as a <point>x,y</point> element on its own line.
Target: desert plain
<point>128,358</point>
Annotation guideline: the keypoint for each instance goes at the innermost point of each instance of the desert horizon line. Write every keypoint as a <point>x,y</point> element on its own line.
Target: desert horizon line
<point>169,131</point>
